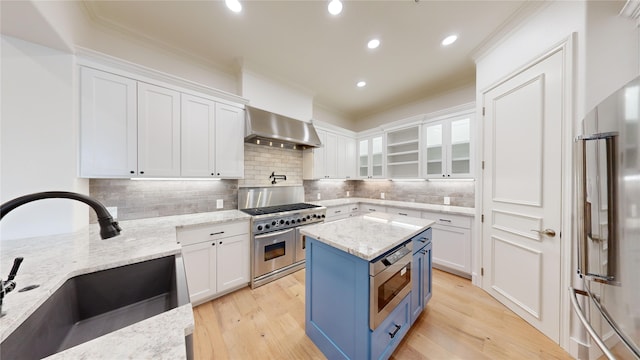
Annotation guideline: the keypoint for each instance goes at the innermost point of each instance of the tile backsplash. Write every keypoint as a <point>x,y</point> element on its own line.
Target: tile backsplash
<point>461,193</point>
<point>260,161</point>
<point>144,199</point>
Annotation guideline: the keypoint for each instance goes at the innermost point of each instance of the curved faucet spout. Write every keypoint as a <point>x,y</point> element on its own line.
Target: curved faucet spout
<point>108,227</point>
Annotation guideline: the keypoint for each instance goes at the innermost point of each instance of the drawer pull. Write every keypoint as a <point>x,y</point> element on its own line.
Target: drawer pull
<point>394,332</point>
<point>403,214</point>
<point>423,240</point>
<point>337,211</point>
<point>445,220</point>
<point>354,209</point>
<point>217,233</point>
<point>372,209</point>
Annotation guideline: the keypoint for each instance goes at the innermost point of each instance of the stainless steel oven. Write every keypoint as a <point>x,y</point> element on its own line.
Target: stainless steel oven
<point>389,283</point>
<point>277,247</point>
<point>301,245</point>
<point>273,251</point>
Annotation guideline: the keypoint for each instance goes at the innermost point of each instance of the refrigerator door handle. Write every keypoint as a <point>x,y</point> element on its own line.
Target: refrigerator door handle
<point>584,212</point>
<point>585,322</point>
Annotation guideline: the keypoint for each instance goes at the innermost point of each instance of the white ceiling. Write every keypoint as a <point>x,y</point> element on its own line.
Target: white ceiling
<point>301,44</point>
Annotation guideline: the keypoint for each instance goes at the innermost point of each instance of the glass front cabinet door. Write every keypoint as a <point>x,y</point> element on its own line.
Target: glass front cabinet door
<point>370,157</point>
<point>448,149</point>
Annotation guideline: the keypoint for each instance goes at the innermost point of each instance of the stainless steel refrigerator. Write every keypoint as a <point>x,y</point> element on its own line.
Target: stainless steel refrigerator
<point>608,219</point>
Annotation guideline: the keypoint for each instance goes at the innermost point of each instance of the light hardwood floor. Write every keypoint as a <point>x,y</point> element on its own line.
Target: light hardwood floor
<point>461,322</point>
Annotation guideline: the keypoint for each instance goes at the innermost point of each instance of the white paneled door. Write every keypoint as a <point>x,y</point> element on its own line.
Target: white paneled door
<point>522,204</point>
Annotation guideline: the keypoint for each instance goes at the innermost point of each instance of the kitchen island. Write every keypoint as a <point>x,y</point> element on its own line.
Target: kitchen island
<point>49,261</point>
<point>350,313</point>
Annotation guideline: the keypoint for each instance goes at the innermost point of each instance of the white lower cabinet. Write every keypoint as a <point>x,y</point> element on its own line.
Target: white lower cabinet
<point>216,258</point>
<point>337,213</point>
<point>451,242</point>
<point>403,212</point>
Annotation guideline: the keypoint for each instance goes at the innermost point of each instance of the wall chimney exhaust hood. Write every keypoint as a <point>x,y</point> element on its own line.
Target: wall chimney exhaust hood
<point>267,128</point>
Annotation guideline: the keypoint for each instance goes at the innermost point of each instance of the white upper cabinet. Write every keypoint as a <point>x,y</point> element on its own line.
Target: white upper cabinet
<point>335,159</point>
<point>346,157</point>
<point>403,153</point>
<point>158,131</point>
<point>132,128</point>
<point>108,132</point>
<point>212,138</point>
<point>229,141</point>
<point>198,134</point>
<point>448,148</point>
<point>371,157</point>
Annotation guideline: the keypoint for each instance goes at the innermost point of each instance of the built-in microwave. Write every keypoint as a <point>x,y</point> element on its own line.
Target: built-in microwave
<point>389,283</point>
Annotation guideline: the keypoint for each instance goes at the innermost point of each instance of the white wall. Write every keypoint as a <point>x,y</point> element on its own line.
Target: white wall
<point>321,113</point>
<point>452,98</point>
<point>271,95</point>
<point>38,139</point>
<point>71,23</point>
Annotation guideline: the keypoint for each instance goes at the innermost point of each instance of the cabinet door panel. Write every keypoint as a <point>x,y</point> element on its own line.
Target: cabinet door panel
<point>158,131</point>
<point>451,248</point>
<point>331,156</point>
<point>200,267</point>
<point>229,141</point>
<point>233,262</point>
<point>197,124</point>
<point>108,125</point>
<point>346,158</point>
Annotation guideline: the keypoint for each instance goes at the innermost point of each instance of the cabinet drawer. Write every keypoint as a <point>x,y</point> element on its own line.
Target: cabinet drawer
<point>354,208</point>
<point>419,241</point>
<point>404,212</point>
<point>367,208</point>
<point>388,335</point>
<point>337,210</point>
<point>448,219</point>
<point>194,234</point>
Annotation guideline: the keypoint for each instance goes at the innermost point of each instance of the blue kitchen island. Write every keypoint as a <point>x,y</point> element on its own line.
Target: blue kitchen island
<point>367,279</point>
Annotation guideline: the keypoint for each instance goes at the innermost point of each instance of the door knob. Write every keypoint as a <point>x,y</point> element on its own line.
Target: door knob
<point>547,232</point>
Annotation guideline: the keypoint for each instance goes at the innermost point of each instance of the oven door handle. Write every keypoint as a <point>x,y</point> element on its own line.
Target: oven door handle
<point>271,234</point>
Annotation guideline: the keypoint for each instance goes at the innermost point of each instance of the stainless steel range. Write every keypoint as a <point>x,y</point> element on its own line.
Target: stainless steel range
<point>278,213</point>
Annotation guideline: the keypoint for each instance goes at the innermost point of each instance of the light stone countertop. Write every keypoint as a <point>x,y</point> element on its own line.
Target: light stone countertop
<point>447,209</point>
<point>367,236</point>
<point>51,260</point>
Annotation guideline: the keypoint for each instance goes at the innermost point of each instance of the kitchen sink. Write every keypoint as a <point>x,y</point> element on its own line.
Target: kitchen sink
<point>91,305</point>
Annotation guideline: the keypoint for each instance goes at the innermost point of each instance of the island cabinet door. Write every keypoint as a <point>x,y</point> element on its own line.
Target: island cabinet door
<point>417,303</point>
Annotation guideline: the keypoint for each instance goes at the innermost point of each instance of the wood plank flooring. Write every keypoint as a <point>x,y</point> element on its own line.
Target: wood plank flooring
<point>461,322</point>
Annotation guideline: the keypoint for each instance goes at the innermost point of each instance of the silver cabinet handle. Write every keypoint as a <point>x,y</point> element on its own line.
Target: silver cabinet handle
<point>402,214</point>
<point>583,320</point>
<point>444,220</point>
<point>547,232</point>
<point>217,233</point>
<point>337,211</point>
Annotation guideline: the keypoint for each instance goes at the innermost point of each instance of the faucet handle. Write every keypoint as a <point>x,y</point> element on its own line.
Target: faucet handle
<point>14,270</point>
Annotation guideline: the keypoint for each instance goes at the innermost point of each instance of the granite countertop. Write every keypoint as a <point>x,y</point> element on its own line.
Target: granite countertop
<point>367,236</point>
<point>50,260</point>
<point>456,210</point>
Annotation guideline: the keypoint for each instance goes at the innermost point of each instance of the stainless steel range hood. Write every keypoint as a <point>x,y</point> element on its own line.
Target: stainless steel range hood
<point>267,128</point>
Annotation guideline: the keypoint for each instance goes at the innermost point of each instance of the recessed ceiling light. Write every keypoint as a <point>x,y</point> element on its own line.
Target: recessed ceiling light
<point>234,5</point>
<point>373,43</point>
<point>449,40</point>
<point>335,7</point>
<point>361,84</point>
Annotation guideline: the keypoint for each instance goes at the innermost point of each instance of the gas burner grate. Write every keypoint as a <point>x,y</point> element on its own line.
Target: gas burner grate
<point>279,208</point>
